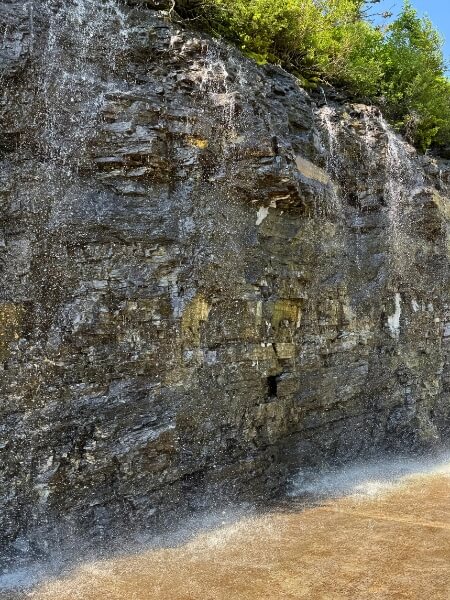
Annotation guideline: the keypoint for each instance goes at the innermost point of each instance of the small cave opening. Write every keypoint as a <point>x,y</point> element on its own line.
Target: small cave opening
<point>272,386</point>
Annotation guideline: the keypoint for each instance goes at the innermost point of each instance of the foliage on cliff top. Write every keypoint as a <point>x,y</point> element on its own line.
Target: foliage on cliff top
<point>400,66</point>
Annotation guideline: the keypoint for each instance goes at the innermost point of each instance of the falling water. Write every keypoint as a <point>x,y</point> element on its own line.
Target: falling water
<point>70,82</point>
<point>329,138</point>
<point>82,47</point>
<point>402,180</point>
<point>215,84</point>
<point>73,87</point>
<point>330,146</point>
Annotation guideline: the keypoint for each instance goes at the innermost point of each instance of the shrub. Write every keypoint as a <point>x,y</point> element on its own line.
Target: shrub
<point>400,66</point>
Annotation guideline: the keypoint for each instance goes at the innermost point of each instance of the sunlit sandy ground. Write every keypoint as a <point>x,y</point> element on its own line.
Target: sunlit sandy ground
<point>393,545</point>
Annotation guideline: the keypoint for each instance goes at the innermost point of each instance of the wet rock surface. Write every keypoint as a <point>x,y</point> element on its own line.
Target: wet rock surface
<point>209,277</point>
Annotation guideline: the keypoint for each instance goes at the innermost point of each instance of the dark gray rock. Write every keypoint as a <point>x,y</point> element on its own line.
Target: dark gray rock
<point>208,278</point>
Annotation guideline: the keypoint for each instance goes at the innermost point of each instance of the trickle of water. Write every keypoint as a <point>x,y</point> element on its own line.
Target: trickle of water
<point>71,83</point>
<point>215,82</point>
<point>330,146</point>
<point>329,139</point>
<point>402,181</point>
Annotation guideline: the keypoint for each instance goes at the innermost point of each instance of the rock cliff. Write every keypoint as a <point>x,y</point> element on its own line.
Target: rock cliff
<point>209,277</point>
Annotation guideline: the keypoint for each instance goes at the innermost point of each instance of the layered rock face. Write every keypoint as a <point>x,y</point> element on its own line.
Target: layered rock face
<point>209,277</point>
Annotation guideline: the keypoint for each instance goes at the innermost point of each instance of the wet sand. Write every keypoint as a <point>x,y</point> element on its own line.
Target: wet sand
<point>395,545</point>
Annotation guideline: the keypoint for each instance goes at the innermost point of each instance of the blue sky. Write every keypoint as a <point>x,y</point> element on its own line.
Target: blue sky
<point>437,10</point>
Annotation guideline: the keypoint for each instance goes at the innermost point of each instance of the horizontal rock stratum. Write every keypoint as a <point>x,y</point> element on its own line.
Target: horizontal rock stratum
<point>209,277</point>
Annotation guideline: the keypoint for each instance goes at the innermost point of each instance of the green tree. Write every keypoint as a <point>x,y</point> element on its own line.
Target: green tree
<point>414,87</point>
<point>400,66</point>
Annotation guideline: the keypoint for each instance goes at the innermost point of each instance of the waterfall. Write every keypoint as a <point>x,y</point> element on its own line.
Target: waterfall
<point>403,180</point>
<point>397,179</point>
<point>207,278</point>
<point>84,41</point>
<point>215,84</point>
<point>329,144</point>
<point>329,140</point>
<point>58,110</point>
